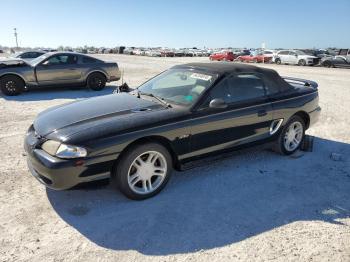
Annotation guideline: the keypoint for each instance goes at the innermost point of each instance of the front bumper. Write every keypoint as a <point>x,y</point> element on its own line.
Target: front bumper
<point>62,174</point>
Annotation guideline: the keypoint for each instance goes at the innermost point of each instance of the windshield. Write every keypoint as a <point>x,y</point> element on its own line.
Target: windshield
<point>15,55</point>
<point>300,52</point>
<point>39,59</point>
<point>179,86</point>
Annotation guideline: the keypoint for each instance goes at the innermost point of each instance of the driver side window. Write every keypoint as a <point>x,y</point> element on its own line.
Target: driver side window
<point>61,60</point>
<point>221,91</point>
<point>237,89</point>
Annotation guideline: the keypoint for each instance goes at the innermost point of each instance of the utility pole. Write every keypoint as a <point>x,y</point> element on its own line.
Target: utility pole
<point>16,37</point>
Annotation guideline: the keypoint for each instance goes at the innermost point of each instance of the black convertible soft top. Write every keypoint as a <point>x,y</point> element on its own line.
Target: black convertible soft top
<point>222,68</point>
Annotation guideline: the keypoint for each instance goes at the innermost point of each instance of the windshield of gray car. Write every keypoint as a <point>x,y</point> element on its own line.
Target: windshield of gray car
<point>178,86</point>
<point>39,59</point>
<point>300,52</point>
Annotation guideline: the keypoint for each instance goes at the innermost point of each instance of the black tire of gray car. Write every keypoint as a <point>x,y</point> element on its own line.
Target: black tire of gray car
<point>11,85</point>
<point>278,61</point>
<point>302,62</point>
<point>279,145</point>
<point>327,64</point>
<point>125,169</point>
<point>96,81</point>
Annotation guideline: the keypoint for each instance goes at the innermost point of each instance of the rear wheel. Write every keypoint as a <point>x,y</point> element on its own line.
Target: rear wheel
<point>291,136</point>
<point>278,61</point>
<point>11,85</point>
<point>96,81</point>
<point>143,171</point>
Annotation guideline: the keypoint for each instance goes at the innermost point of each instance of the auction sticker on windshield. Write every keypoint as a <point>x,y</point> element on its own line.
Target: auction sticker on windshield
<point>201,76</point>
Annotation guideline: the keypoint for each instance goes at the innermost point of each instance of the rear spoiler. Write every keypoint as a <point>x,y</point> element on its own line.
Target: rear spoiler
<point>299,81</point>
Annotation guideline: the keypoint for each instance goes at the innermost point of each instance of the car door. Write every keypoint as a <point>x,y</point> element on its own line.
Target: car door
<point>292,58</point>
<point>247,117</point>
<point>283,55</point>
<point>58,69</point>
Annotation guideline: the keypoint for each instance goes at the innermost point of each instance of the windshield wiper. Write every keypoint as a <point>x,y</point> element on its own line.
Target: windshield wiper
<point>154,96</point>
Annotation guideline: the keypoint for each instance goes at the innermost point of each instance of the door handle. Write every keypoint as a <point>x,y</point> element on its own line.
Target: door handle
<point>262,113</point>
<point>72,69</point>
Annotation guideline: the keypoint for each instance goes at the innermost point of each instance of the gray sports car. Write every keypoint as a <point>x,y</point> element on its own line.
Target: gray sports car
<point>56,69</point>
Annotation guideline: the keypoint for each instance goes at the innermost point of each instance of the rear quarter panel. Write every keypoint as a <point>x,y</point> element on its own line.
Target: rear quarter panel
<point>285,107</point>
<point>110,70</point>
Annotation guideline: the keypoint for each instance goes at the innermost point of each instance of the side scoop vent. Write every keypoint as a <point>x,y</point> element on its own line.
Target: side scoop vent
<point>275,125</point>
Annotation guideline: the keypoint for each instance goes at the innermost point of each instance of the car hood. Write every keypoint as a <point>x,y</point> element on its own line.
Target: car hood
<point>11,61</point>
<point>60,122</point>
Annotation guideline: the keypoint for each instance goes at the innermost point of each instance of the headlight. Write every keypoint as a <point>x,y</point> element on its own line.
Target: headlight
<point>51,147</point>
<point>68,151</point>
<point>55,148</point>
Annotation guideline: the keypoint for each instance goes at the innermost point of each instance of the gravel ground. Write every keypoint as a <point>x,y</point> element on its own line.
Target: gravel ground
<point>254,206</point>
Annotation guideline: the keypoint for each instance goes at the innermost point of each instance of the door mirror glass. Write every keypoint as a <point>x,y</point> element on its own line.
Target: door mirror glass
<point>217,103</point>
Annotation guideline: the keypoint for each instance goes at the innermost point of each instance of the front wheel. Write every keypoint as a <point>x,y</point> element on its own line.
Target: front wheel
<point>96,81</point>
<point>302,62</point>
<point>11,85</point>
<point>143,171</point>
<point>291,136</point>
<point>278,61</point>
<point>327,64</point>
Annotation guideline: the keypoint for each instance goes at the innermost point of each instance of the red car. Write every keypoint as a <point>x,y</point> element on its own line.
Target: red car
<point>254,58</point>
<point>167,53</point>
<point>222,56</point>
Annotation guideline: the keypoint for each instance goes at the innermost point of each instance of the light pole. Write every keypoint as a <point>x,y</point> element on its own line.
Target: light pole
<point>16,37</point>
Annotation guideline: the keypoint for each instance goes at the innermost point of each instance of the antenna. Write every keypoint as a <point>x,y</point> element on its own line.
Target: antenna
<point>16,37</point>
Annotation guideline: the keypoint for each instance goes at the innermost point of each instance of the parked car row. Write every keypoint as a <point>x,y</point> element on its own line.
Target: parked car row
<point>305,57</point>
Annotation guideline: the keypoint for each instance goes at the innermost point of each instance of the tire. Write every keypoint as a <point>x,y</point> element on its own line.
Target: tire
<point>96,81</point>
<point>11,85</point>
<point>327,64</point>
<point>302,62</point>
<point>278,61</point>
<point>281,142</point>
<point>124,174</point>
<point>255,61</point>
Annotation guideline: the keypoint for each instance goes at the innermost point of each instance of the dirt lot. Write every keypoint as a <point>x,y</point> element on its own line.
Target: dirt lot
<point>255,206</point>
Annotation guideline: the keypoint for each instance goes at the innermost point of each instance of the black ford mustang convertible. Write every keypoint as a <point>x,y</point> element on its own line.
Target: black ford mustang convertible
<point>189,111</point>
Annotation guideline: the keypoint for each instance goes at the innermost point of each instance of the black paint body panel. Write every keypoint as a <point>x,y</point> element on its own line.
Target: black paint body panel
<point>107,125</point>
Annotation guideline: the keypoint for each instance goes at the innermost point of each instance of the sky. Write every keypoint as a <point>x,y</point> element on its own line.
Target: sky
<point>180,23</point>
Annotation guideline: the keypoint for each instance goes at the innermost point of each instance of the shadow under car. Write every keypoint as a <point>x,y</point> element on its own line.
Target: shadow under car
<point>217,204</point>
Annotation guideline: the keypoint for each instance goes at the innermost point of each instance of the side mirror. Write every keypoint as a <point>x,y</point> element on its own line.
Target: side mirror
<point>217,103</point>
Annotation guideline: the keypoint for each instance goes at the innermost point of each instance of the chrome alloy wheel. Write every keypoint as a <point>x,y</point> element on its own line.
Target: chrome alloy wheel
<point>293,136</point>
<point>147,172</point>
